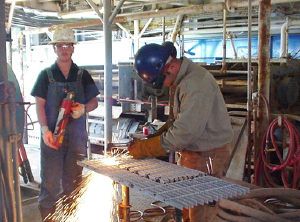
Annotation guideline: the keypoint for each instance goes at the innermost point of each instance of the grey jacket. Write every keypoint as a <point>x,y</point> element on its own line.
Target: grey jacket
<point>201,120</point>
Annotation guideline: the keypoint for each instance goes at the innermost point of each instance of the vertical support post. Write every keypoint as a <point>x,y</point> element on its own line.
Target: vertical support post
<point>124,207</point>
<point>107,74</point>
<point>136,24</point>
<point>249,93</point>
<point>163,20</point>
<point>153,109</point>
<point>181,45</point>
<point>224,68</point>
<point>263,68</point>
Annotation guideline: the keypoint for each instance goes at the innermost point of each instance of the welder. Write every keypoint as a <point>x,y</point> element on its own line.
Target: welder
<point>201,130</point>
<point>60,174</point>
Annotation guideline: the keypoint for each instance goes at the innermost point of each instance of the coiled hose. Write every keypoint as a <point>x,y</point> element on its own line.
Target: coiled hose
<point>279,163</point>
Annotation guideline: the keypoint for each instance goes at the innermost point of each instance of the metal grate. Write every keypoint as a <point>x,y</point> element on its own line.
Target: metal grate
<point>175,185</point>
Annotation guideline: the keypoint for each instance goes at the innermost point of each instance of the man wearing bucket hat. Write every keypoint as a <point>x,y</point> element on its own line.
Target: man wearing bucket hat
<point>200,130</point>
<point>60,174</point>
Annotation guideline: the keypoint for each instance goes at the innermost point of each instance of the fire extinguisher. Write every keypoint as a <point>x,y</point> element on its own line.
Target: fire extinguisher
<point>63,119</point>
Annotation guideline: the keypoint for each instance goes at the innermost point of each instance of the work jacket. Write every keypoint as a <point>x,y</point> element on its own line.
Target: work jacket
<point>201,121</point>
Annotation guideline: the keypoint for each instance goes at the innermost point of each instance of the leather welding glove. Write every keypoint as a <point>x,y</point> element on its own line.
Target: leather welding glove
<point>47,136</point>
<point>77,110</point>
<point>146,148</point>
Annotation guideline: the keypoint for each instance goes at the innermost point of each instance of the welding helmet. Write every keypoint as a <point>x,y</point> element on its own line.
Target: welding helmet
<point>171,48</point>
<point>149,64</point>
<point>61,35</point>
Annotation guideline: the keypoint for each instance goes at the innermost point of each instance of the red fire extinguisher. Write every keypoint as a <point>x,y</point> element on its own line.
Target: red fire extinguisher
<point>63,119</point>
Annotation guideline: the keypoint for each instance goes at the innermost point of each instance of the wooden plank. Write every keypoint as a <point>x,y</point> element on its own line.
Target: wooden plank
<point>236,167</point>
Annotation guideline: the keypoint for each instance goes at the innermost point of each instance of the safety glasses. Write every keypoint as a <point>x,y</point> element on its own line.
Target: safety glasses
<point>63,45</point>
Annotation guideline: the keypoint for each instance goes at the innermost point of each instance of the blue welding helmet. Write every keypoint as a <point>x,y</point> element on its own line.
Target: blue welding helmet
<point>149,64</point>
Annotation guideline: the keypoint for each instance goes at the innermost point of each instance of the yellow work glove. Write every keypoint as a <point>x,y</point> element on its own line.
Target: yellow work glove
<point>146,148</point>
<point>78,110</point>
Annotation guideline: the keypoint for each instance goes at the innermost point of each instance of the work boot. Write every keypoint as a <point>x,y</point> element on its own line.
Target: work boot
<point>47,213</point>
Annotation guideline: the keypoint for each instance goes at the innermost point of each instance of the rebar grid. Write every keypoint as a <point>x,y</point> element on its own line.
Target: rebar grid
<point>175,185</point>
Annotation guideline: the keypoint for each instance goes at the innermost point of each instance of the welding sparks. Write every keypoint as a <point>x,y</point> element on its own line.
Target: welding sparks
<point>110,161</point>
<point>93,200</point>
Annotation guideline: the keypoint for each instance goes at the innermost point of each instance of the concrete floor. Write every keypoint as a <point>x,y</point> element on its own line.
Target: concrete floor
<point>30,204</point>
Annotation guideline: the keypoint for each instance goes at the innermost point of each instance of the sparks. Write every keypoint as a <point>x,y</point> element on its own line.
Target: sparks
<point>93,200</point>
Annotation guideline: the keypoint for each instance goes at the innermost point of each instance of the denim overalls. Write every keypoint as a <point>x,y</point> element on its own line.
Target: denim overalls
<point>59,168</point>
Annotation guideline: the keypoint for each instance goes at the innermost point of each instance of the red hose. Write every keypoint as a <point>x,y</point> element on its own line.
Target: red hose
<point>289,166</point>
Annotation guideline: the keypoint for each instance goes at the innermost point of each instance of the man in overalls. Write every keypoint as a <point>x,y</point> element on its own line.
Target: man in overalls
<point>201,130</point>
<point>60,174</point>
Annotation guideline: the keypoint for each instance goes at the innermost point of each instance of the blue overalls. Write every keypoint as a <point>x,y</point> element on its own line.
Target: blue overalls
<point>60,173</point>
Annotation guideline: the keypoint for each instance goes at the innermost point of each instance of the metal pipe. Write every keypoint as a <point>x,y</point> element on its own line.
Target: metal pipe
<point>182,46</point>
<point>233,46</point>
<point>135,89</point>
<point>10,15</point>
<point>125,30</point>
<point>263,68</point>
<point>145,27</point>
<point>249,92</point>
<point>223,69</point>
<point>95,8</point>
<point>107,74</point>
<point>229,71</point>
<point>115,12</point>
<point>177,27</point>
<point>3,195</point>
<point>153,109</point>
<point>136,35</point>
<point>13,145</point>
<point>284,40</point>
<point>125,206</point>
<point>163,21</point>
<point>142,101</point>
